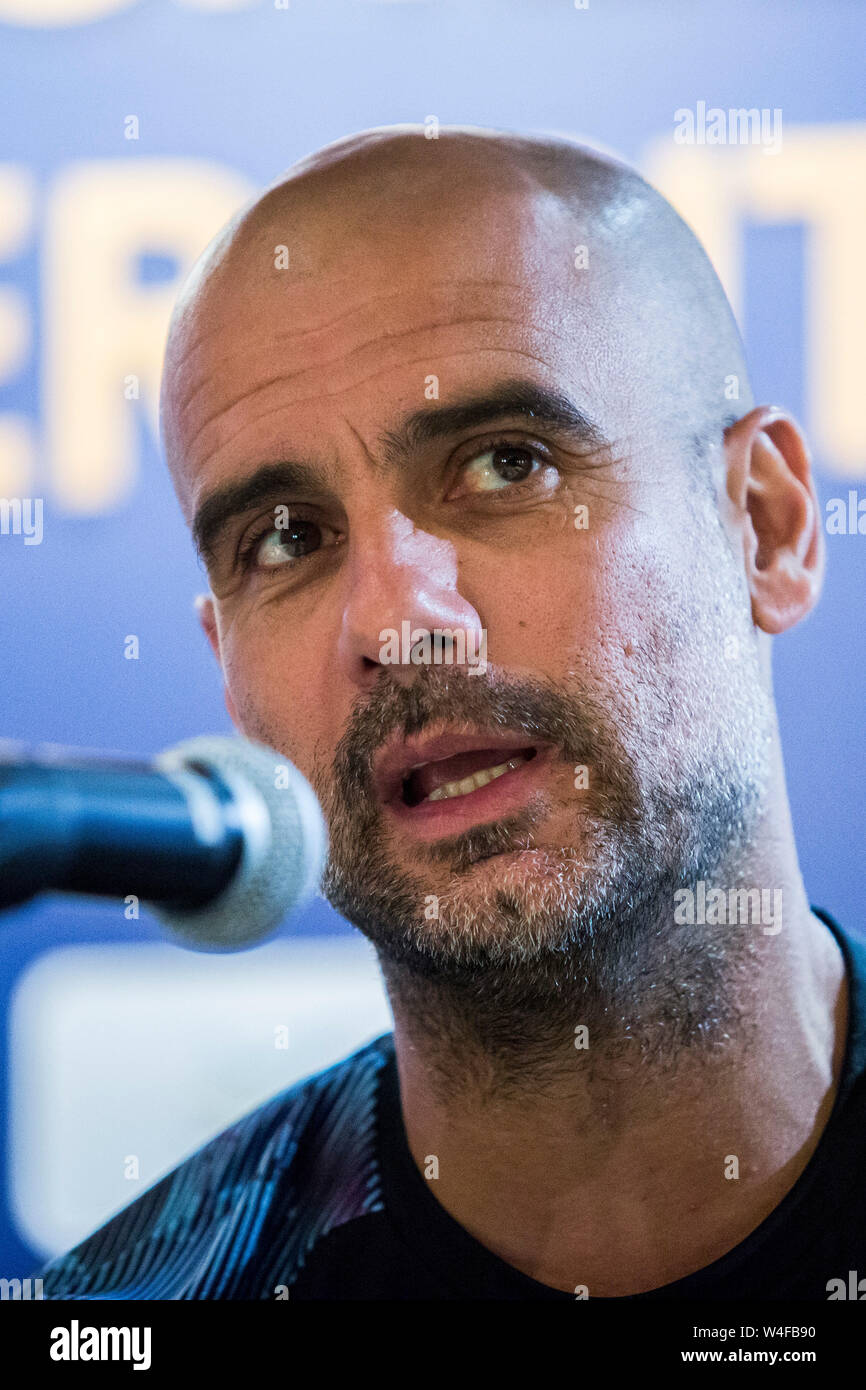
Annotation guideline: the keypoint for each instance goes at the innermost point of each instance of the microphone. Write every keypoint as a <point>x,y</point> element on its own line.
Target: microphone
<point>220,836</point>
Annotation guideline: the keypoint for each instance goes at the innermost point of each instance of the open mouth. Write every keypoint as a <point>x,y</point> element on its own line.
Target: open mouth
<point>443,783</point>
<point>445,779</point>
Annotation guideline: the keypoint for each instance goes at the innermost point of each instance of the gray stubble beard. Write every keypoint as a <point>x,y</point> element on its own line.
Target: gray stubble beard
<point>504,974</point>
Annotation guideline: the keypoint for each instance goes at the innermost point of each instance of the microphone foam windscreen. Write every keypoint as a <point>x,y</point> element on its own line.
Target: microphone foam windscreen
<point>285,843</point>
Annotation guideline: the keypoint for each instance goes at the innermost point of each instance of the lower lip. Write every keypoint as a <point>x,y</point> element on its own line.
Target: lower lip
<point>432,820</point>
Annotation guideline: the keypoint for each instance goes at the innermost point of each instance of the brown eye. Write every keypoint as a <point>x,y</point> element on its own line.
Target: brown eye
<point>285,545</point>
<point>512,463</point>
<point>499,466</point>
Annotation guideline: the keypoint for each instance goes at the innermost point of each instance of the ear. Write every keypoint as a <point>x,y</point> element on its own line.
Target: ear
<point>204,606</point>
<point>769,481</point>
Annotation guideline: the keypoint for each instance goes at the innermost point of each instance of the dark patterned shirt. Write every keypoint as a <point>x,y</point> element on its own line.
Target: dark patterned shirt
<point>315,1195</point>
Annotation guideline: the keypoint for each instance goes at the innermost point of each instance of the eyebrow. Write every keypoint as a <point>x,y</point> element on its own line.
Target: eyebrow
<point>510,399</point>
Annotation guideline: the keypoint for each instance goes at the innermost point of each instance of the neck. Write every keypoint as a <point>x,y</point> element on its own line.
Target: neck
<point>624,1159</point>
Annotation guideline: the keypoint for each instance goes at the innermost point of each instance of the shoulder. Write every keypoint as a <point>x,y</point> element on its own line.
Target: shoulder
<point>242,1212</point>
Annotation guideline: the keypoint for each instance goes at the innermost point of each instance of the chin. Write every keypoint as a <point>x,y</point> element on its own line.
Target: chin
<point>534,886</point>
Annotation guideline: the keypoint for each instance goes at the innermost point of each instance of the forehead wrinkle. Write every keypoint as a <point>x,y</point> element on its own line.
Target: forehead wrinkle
<point>286,376</point>
<point>283,378</point>
<point>378,302</point>
<point>455,288</point>
<point>456,293</point>
<point>320,395</point>
<point>226,359</point>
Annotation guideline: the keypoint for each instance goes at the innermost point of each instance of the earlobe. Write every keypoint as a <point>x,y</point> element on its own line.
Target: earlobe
<point>771,487</point>
<point>204,607</point>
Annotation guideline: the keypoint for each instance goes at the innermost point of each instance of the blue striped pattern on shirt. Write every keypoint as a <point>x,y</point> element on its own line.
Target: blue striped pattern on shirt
<point>241,1216</point>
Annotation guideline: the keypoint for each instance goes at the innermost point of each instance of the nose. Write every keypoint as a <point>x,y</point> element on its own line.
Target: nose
<point>401,583</point>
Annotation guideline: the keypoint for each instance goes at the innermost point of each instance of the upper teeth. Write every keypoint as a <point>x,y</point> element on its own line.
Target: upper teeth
<point>471,784</point>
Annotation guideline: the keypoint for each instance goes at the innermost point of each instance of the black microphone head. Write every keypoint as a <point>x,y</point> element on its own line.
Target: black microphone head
<point>284,842</point>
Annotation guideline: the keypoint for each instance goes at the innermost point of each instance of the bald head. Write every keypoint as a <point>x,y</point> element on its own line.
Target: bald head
<point>585,244</point>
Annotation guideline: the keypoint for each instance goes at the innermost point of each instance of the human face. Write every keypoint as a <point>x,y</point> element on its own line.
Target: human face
<point>457,448</point>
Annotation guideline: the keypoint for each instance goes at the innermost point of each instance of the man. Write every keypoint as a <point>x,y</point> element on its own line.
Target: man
<point>479,385</point>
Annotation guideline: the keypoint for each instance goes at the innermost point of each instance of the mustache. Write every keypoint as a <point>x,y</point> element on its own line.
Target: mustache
<point>541,709</point>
